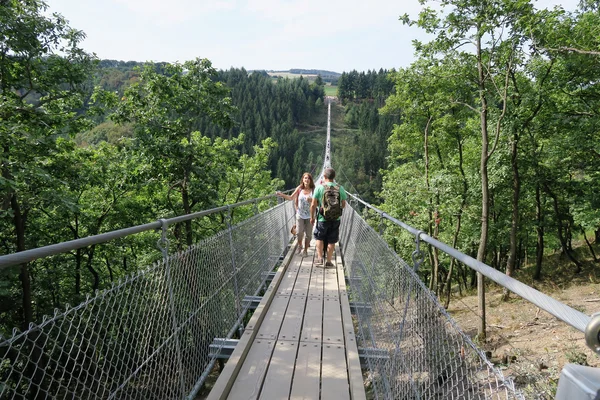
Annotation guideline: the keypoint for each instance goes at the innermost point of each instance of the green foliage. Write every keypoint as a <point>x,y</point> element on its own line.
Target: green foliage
<point>355,85</point>
<point>43,85</point>
<point>542,104</point>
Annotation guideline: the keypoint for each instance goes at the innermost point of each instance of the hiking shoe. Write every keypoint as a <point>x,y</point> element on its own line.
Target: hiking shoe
<point>329,264</point>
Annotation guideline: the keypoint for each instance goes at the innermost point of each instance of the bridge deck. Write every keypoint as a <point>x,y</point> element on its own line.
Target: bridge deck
<point>300,341</point>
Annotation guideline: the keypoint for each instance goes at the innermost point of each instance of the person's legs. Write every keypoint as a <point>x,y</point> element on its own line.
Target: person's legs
<point>300,233</point>
<point>307,229</point>
<point>319,252</point>
<point>330,248</point>
<point>320,234</point>
<point>333,233</point>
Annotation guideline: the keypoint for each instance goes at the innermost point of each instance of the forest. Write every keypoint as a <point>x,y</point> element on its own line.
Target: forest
<point>489,142</point>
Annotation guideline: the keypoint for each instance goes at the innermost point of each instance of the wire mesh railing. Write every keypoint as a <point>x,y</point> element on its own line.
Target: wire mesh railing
<point>413,348</point>
<point>148,336</point>
<point>152,334</point>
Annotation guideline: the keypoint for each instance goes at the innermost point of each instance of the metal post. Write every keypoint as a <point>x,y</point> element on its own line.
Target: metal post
<point>287,228</point>
<point>417,255</point>
<point>234,270</point>
<point>349,230</point>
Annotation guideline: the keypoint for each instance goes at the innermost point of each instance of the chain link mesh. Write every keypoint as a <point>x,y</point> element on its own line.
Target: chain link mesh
<point>413,348</point>
<point>148,336</point>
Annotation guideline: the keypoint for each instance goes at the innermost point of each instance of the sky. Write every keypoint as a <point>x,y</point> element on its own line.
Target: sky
<point>333,35</point>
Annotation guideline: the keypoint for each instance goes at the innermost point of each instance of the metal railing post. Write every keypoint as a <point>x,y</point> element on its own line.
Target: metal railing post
<point>287,228</point>
<point>234,271</point>
<point>417,255</point>
<point>349,231</point>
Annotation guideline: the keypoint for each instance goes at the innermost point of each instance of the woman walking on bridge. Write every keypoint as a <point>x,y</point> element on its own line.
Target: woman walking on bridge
<point>302,197</point>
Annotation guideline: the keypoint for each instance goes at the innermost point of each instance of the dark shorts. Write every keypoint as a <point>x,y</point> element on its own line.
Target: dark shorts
<point>328,231</point>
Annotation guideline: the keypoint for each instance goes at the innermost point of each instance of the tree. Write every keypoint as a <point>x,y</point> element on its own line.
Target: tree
<point>492,29</point>
<point>43,82</point>
<point>166,110</point>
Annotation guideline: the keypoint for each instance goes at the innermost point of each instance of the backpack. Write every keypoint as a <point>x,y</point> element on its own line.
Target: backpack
<point>332,205</point>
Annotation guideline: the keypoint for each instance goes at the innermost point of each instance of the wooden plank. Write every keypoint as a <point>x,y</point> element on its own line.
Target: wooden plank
<point>333,332</point>
<point>302,281</point>
<point>334,375</point>
<point>357,387</point>
<point>249,381</point>
<point>312,326</point>
<point>307,373</point>
<point>288,281</point>
<point>270,326</point>
<point>317,278</point>
<point>330,286</point>
<point>227,377</point>
<point>278,382</point>
<point>292,322</point>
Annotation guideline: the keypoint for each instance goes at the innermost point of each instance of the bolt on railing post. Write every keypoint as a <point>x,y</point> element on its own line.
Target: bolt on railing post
<point>238,306</point>
<point>163,245</point>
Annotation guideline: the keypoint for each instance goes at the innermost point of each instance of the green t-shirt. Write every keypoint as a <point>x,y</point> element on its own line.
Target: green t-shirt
<point>320,190</point>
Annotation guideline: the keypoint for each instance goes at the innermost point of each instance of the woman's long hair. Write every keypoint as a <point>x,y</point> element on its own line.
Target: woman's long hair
<point>311,185</point>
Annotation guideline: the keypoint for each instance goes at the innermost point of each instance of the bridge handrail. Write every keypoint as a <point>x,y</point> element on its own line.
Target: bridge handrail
<point>40,252</point>
<point>578,320</point>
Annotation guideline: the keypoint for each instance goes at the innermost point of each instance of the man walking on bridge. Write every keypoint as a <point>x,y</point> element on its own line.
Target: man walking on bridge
<point>328,201</point>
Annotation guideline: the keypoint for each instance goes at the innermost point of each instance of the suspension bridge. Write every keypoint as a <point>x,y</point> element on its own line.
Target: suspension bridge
<point>287,328</point>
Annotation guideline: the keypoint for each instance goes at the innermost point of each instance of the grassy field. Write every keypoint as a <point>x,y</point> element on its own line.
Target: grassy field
<point>330,90</point>
<point>285,74</point>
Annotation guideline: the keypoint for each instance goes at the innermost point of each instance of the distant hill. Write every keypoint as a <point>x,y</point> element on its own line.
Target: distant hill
<point>327,76</point>
<point>323,73</point>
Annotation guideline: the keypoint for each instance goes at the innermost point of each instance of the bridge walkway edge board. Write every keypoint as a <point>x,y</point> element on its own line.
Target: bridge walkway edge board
<point>355,377</point>
<point>227,377</point>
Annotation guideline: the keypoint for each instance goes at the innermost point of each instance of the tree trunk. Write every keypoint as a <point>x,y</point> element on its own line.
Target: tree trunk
<point>78,258</point>
<point>448,282</point>
<point>484,192</point>
<point>187,210</point>
<point>433,282</point>
<point>561,236</point>
<point>458,224</point>
<point>96,284</point>
<point>539,247</point>
<point>109,268</point>
<point>19,221</point>
<point>514,227</point>
<point>589,245</point>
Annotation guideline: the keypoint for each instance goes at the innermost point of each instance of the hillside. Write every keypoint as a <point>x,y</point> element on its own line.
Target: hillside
<point>327,76</point>
<point>527,343</point>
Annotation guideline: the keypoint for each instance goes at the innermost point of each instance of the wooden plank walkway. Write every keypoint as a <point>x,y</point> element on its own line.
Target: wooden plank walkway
<point>299,343</point>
